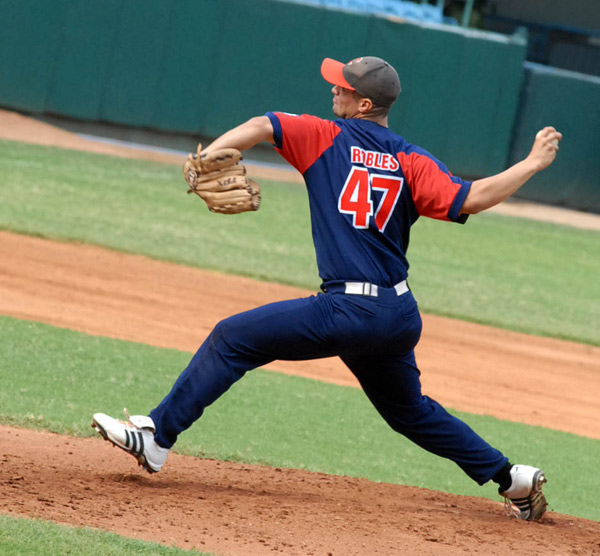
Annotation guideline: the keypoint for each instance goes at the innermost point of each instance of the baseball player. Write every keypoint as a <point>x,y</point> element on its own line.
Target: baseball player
<point>366,187</point>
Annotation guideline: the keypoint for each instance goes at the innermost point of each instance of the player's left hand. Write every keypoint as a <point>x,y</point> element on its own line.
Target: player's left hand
<point>221,182</point>
<point>545,147</point>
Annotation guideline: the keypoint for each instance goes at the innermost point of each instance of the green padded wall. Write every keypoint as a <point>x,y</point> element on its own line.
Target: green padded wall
<point>203,66</point>
<point>571,103</point>
<point>30,36</point>
<point>83,58</point>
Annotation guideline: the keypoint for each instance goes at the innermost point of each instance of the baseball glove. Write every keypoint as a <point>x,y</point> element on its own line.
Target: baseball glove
<point>221,182</point>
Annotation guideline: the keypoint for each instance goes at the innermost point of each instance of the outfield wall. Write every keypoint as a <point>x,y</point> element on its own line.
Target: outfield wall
<point>571,102</point>
<point>202,66</point>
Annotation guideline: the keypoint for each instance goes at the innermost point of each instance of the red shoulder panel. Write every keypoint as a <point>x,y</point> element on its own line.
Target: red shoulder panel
<point>305,138</point>
<point>433,190</point>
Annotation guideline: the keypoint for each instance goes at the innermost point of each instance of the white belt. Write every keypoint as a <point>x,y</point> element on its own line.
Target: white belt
<point>366,288</point>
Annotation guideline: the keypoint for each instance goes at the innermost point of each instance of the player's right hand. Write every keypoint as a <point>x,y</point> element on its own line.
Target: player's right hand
<point>545,147</point>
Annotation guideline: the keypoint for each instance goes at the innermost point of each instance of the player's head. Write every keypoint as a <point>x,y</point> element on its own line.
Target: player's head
<point>369,77</point>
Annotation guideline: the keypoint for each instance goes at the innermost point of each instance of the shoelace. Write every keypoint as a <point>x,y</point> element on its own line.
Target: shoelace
<point>510,509</point>
<point>128,417</point>
<point>128,422</point>
<point>140,422</point>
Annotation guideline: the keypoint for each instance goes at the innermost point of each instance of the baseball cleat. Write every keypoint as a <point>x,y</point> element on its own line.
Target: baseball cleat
<point>136,437</point>
<point>524,499</point>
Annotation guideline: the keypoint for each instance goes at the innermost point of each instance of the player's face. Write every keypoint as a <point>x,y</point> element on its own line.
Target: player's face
<point>345,102</point>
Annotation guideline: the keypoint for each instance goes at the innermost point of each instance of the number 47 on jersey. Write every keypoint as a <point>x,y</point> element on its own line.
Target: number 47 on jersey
<point>355,198</point>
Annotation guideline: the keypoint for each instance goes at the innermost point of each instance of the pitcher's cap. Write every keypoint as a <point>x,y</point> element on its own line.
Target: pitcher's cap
<point>369,76</point>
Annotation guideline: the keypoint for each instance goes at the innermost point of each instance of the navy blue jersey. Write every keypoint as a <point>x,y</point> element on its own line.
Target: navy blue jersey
<point>366,187</point>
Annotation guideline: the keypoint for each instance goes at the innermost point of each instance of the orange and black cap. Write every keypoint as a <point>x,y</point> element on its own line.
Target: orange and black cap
<point>369,76</point>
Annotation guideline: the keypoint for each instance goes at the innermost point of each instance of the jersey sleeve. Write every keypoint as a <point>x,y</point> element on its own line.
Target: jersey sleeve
<point>301,140</point>
<point>435,191</point>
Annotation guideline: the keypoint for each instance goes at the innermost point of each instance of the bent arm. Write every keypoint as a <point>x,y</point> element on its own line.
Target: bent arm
<point>490,191</point>
<point>244,136</point>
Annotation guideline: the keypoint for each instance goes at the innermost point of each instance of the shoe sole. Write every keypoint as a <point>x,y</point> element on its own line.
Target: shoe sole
<point>536,501</point>
<point>142,462</point>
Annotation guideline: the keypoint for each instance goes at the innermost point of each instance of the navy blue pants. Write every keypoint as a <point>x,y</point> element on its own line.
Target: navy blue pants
<point>374,336</point>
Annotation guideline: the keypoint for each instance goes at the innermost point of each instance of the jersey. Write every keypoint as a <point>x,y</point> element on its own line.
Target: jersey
<point>366,187</point>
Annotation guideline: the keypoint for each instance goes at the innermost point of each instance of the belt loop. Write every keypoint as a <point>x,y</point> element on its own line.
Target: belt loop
<point>369,289</point>
<point>401,287</point>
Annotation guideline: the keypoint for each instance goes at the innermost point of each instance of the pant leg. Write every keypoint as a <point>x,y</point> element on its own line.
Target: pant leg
<point>394,388</point>
<point>293,330</point>
<point>391,381</point>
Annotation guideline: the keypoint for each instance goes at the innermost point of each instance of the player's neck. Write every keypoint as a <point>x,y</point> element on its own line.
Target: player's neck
<point>381,120</point>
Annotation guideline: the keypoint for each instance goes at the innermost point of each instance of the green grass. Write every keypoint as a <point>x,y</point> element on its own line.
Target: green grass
<point>532,277</point>
<point>142,207</point>
<point>266,418</point>
<point>34,537</point>
<point>522,275</point>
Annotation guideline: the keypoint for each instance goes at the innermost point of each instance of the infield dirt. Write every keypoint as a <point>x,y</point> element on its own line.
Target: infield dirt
<point>243,510</point>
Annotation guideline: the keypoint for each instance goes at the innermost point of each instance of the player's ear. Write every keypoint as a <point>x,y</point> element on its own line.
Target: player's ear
<point>365,105</point>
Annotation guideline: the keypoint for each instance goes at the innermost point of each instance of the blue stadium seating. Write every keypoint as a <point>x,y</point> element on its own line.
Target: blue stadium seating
<point>397,8</point>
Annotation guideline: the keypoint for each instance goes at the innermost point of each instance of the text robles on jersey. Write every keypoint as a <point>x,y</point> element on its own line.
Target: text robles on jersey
<point>374,159</point>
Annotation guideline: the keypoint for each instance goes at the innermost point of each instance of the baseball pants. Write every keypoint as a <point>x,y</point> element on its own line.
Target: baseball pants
<point>374,336</point>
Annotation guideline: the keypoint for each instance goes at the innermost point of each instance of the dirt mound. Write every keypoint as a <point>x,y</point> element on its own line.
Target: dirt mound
<point>245,510</point>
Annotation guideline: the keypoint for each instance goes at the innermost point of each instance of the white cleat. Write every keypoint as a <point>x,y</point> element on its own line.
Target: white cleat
<point>136,437</point>
<point>524,499</point>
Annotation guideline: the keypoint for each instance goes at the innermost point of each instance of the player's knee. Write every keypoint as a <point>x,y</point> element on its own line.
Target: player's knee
<point>230,336</point>
<point>222,335</point>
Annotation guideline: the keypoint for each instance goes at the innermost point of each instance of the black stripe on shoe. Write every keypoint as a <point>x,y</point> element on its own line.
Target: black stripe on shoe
<point>141,443</point>
<point>134,442</point>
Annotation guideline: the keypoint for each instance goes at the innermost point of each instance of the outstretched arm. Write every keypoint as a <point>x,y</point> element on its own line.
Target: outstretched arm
<point>244,136</point>
<point>488,192</point>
